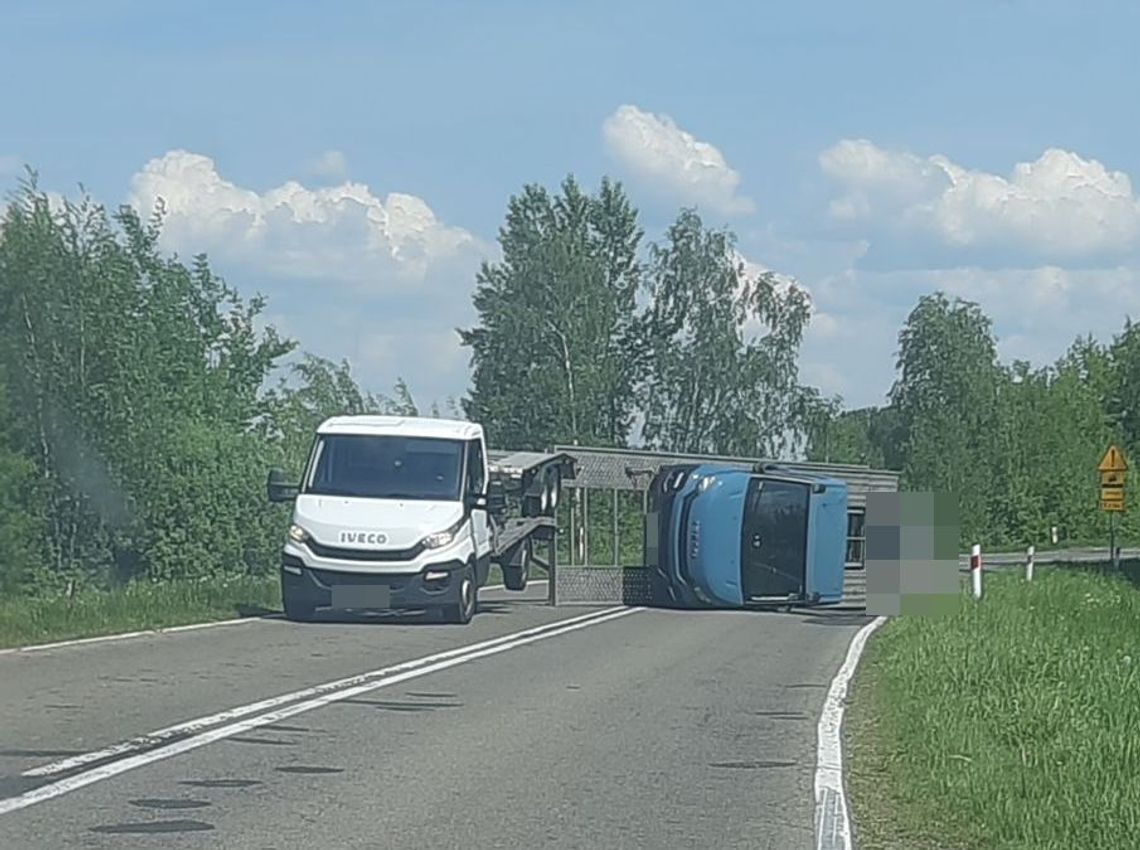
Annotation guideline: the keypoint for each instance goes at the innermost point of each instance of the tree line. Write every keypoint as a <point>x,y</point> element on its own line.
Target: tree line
<point>1018,445</point>
<point>142,399</point>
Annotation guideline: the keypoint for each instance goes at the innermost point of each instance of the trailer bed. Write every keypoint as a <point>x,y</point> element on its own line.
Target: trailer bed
<point>515,465</point>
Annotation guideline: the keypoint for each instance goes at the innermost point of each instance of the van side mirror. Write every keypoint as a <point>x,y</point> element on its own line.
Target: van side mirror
<point>496,496</point>
<point>278,489</point>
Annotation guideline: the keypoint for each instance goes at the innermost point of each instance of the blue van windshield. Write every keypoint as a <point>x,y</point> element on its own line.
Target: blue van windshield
<point>386,467</point>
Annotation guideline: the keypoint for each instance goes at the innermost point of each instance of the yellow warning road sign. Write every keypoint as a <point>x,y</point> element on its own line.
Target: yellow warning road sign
<point>1112,479</point>
<point>1113,461</point>
<point>1112,469</point>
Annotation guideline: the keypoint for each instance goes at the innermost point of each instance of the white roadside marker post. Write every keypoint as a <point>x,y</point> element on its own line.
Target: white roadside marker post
<point>976,569</point>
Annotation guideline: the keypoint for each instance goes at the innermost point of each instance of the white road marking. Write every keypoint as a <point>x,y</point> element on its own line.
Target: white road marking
<point>125,635</point>
<point>160,736</point>
<point>832,821</point>
<point>106,771</point>
<point>36,647</point>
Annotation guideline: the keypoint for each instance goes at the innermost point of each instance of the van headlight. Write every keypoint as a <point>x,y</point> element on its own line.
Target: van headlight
<point>443,538</point>
<point>438,540</point>
<point>298,534</point>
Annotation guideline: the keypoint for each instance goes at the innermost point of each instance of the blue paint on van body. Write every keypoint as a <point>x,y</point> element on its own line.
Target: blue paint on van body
<point>733,537</point>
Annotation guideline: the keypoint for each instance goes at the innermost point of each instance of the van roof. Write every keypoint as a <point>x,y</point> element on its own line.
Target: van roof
<point>408,426</point>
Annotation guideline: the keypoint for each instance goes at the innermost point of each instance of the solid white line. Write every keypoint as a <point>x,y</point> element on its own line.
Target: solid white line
<point>35,647</point>
<point>106,771</point>
<point>832,821</point>
<point>156,738</point>
<point>165,630</point>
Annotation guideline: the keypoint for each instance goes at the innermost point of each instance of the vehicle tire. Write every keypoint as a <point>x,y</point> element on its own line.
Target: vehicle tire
<point>462,612</point>
<point>553,486</point>
<point>297,607</point>
<point>516,575</point>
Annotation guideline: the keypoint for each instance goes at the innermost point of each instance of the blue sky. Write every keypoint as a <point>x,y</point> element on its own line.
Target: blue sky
<point>866,149</point>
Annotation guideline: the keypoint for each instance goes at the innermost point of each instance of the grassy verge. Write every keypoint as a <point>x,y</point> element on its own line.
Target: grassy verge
<point>1013,723</point>
<point>135,607</point>
<point>138,607</point>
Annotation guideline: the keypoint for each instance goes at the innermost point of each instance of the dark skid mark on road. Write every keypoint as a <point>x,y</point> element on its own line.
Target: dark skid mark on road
<point>300,768</point>
<point>39,754</point>
<point>272,742</point>
<point>281,727</point>
<point>429,695</point>
<point>220,783</point>
<point>393,705</point>
<point>61,706</point>
<point>780,715</point>
<point>751,765</point>
<point>170,804</point>
<point>14,786</point>
<point>838,620</point>
<point>154,827</point>
<point>414,706</point>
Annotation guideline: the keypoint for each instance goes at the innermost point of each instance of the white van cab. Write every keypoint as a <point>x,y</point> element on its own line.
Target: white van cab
<point>391,513</point>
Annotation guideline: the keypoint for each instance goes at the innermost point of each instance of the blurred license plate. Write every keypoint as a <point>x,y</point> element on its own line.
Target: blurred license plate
<point>361,596</point>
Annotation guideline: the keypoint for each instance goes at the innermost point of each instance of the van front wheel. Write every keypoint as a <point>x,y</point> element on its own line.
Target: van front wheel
<point>464,610</point>
<point>297,607</point>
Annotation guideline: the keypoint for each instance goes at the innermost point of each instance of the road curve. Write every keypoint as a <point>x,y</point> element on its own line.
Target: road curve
<point>638,728</point>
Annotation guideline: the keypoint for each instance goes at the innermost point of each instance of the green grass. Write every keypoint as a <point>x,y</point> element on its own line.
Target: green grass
<point>1012,723</point>
<point>139,606</point>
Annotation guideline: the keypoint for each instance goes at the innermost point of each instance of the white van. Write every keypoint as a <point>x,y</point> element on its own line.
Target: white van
<point>391,513</point>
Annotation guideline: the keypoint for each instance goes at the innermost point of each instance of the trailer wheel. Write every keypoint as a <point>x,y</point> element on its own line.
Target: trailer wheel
<point>516,569</point>
<point>463,611</point>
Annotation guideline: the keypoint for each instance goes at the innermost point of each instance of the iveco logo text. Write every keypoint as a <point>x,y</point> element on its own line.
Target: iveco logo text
<point>371,538</point>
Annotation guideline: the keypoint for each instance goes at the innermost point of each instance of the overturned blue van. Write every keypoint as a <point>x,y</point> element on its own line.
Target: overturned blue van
<point>745,537</point>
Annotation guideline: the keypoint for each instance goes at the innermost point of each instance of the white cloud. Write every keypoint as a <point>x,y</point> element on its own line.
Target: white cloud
<point>1037,314</point>
<point>754,328</point>
<point>380,281</point>
<point>1059,208</point>
<point>340,234</point>
<point>660,155</point>
<point>753,269</point>
<point>332,164</point>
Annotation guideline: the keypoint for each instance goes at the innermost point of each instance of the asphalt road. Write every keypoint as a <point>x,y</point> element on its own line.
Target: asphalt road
<point>637,728</point>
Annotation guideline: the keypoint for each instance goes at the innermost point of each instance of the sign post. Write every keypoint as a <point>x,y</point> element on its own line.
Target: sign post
<point>1112,469</point>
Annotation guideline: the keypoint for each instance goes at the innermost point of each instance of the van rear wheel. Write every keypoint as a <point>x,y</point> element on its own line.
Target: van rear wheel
<point>516,572</point>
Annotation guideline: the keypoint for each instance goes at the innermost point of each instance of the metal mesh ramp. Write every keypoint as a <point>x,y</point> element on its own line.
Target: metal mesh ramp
<point>601,585</point>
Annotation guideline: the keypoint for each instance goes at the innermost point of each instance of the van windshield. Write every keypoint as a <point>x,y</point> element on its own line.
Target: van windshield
<point>386,467</point>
